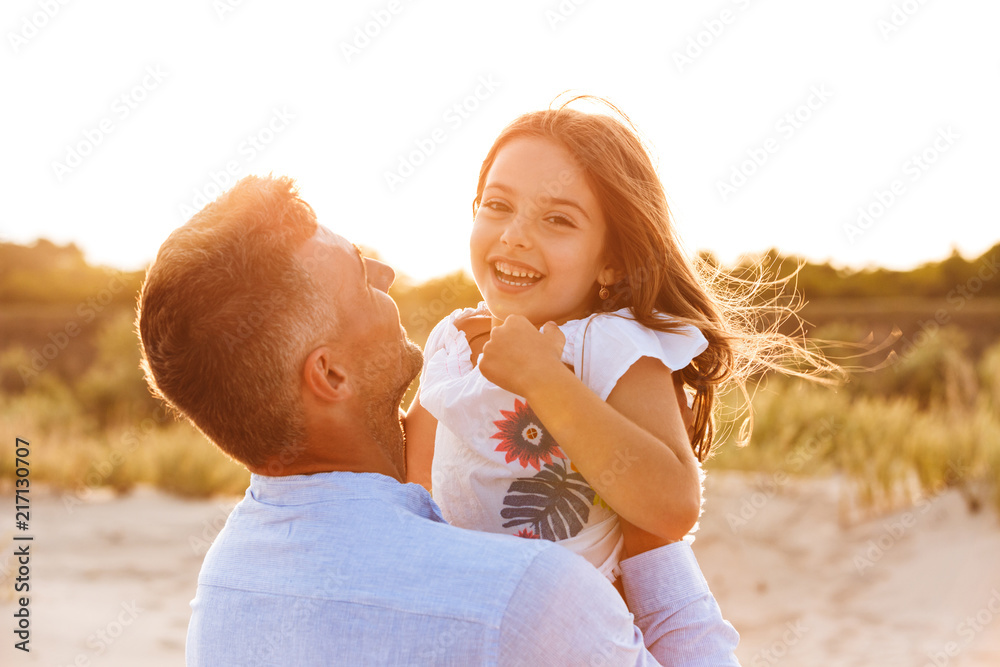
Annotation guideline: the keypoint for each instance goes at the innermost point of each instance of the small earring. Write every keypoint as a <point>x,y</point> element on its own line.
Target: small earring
<point>604,293</point>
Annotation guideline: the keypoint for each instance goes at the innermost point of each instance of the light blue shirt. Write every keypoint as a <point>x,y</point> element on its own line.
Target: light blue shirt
<point>358,569</point>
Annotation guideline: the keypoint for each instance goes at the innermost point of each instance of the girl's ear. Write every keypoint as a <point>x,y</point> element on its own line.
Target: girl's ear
<point>610,275</point>
<point>323,377</point>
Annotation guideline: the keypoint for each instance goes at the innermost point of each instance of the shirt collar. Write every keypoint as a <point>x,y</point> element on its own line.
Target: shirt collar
<point>326,486</point>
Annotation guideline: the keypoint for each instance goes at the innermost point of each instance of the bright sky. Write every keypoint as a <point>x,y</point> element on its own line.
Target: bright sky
<point>773,121</point>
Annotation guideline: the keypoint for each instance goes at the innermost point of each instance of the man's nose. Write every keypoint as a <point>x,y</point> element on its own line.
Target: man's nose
<point>380,274</point>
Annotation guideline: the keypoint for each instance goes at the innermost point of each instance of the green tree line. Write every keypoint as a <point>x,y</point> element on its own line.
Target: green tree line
<point>47,273</point>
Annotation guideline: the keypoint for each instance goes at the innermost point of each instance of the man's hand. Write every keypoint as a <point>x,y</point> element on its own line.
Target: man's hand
<point>517,354</point>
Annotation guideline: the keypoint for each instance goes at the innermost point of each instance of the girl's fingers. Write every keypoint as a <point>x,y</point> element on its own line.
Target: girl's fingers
<point>551,330</point>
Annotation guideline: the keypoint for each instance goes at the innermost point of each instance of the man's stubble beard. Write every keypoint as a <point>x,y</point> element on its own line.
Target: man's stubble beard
<point>383,395</point>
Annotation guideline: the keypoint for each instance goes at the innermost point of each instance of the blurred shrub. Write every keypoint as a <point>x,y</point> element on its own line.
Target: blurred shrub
<point>49,406</point>
<point>931,367</point>
<point>423,306</point>
<point>934,279</point>
<point>892,447</point>
<point>172,456</point>
<point>989,376</point>
<point>47,273</point>
<point>113,388</point>
<point>922,418</point>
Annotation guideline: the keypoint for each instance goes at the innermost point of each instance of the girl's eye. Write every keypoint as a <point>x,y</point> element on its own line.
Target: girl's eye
<point>560,220</point>
<point>496,205</point>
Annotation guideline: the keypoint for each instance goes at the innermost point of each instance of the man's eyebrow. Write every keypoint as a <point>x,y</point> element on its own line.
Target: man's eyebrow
<point>364,267</point>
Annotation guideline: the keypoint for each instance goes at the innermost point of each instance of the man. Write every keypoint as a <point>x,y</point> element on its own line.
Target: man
<point>278,340</point>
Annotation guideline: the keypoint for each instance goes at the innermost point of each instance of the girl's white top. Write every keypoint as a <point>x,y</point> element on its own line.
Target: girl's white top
<point>496,468</point>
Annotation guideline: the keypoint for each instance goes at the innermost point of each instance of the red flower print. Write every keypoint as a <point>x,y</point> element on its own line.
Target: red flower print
<point>528,533</point>
<point>523,437</point>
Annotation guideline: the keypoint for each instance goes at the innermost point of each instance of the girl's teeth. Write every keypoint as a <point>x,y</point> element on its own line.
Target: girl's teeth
<point>515,273</point>
<point>517,277</point>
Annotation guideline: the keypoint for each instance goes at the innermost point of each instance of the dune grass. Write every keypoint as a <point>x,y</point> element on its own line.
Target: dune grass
<point>889,448</point>
<point>928,421</point>
<point>68,455</point>
<point>892,446</point>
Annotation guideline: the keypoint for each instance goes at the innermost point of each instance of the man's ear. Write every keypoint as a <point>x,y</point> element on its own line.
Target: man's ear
<point>324,377</point>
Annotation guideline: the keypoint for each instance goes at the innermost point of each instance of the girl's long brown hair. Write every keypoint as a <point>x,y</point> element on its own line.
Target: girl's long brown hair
<point>660,285</point>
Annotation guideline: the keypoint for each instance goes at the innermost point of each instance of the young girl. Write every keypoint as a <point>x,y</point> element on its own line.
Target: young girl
<point>550,410</point>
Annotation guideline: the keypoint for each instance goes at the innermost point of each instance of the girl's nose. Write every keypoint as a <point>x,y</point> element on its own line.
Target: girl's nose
<point>515,233</point>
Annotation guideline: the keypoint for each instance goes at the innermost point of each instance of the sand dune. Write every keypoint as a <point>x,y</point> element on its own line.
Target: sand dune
<point>112,577</point>
<point>894,590</point>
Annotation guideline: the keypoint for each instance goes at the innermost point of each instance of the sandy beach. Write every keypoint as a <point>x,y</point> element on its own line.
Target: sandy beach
<point>111,577</point>
<point>915,587</point>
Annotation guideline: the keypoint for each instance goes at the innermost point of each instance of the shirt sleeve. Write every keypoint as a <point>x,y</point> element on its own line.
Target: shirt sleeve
<point>675,608</point>
<point>607,346</point>
<point>564,612</point>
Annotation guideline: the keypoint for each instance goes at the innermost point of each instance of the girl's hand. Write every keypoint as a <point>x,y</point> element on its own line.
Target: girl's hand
<point>517,354</point>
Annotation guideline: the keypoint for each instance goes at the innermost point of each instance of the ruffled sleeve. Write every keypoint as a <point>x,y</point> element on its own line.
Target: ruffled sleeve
<point>603,347</point>
<point>443,336</point>
<point>447,366</point>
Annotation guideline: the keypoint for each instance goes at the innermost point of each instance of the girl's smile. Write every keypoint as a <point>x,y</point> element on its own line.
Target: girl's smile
<point>538,240</point>
<point>514,274</point>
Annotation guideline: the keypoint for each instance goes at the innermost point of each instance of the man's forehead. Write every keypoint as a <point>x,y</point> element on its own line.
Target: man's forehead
<point>324,244</point>
<point>324,235</point>
<point>330,258</point>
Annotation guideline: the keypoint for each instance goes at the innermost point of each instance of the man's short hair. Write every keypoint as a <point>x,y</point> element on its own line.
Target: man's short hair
<point>227,315</point>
